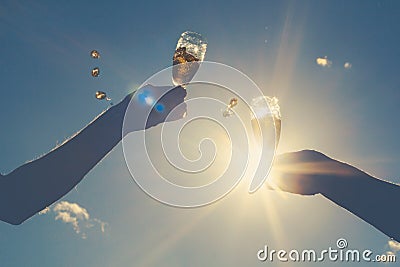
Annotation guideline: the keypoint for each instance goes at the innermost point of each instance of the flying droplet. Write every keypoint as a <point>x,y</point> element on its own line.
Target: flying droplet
<point>228,111</point>
<point>95,54</point>
<point>347,65</point>
<point>233,102</point>
<point>102,95</point>
<point>95,72</point>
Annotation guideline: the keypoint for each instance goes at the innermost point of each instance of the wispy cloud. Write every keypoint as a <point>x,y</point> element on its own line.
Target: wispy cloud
<point>323,61</point>
<point>73,208</point>
<point>76,216</point>
<point>71,213</point>
<point>68,218</point>
<point>394,246</point>
<point>102,224</point>
<point>347,65</point>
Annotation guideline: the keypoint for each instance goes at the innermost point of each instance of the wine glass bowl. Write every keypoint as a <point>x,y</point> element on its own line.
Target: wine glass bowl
<point>190,51</point>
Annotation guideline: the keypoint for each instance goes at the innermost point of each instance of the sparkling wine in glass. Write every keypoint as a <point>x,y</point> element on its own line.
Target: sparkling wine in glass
<point>190,51</point>
<point>266,117</point>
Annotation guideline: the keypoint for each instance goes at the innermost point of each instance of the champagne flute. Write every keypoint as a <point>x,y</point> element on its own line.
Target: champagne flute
<point>262,115</point>
<point>190,51</point>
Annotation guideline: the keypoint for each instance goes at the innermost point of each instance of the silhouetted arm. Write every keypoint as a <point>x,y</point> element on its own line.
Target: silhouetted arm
<point>310,172</point>
<point>37,184</point>
<point>369,198</point>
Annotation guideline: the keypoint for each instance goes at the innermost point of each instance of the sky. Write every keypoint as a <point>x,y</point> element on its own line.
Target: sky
<point>294,50</point>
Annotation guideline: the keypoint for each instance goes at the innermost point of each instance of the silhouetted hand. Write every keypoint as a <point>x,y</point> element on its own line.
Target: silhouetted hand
<point>145,112</point>
<point>309,172</point>
<point>39,183</point>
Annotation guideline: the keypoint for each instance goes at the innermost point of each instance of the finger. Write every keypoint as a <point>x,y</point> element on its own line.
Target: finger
<point>174,97</point>
<point>178,112</point>
<point>165,115</point>
<point>298,184</point>
<point>270,187</point>
<point>170,106</point>
<point>301,157</point>
<point>180,92</point>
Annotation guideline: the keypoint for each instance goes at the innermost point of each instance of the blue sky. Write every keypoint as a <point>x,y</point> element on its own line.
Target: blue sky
<point>48,94</point>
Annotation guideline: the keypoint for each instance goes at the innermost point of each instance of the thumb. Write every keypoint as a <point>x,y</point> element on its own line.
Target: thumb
<point>294,183</point>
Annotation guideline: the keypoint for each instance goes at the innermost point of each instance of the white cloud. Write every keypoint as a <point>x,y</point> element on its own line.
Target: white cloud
<point>71,213</point>
<point>44,211</point>
<point>323,61</point>
<point>347,65</point>
<point>389,253</point>
<point>73,208</point>
<point>68,218</point>
<point>394,246</point>
<point>76,216</point>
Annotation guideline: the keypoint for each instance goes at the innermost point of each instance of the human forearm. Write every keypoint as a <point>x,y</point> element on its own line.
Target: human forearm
<point>368,198</point>
<point>39,183</point>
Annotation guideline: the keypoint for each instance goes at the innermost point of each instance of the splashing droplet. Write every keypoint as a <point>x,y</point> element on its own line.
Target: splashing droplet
<point>95,72</point>
<point>228,111</point>
<point>102,95</point>
<point>233,102</point>
<point>95,54</point>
